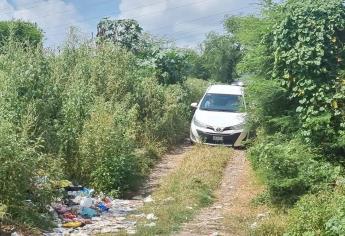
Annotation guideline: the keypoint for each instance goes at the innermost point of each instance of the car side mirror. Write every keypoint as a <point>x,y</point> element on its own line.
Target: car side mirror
<point>194,105</point>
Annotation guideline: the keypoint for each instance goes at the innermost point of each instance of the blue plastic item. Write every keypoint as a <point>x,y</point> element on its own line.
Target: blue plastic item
<point>87,192</point>
<point>88,213</point>
<point>102,207</point>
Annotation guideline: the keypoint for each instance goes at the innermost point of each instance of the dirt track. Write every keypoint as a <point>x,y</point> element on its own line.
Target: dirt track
<point>232,212</point>
<point>168,163</point>
<point>232,202</point>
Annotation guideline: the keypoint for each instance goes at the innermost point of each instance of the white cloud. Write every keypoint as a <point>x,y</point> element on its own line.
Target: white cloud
<point>185,20</point>
<point>53,16</point>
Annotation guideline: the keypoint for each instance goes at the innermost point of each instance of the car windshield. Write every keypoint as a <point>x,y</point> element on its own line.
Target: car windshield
<point>222,102</point>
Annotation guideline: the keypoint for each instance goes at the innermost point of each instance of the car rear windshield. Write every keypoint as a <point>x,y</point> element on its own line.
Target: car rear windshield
<point>222,102</point>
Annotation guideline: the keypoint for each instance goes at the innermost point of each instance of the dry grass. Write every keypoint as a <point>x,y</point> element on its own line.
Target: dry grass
<point>242,213</point>
<point>245,217</point>
<point>186,190</point>
<point>274,225</point>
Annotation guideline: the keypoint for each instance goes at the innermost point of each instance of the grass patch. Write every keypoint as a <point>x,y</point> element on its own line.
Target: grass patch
<point>186,190</point>
<point>274,225</point>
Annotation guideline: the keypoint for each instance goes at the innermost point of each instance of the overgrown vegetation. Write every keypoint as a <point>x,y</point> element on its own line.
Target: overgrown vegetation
<point>20,31</point>
<point>217,58</point>
<point>100,113</point>
<point>97,114</point>
<point>186,190</point>
<point>294,51</point>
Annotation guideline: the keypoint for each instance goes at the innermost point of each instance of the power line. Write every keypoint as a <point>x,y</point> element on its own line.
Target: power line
<point>142,6</point>
<point>188,31</point>
<point>137,16</point>
<point>157,28</point>
<point>196,19</point>
<point>187,21</point>
<point>193,34</point>
<point>190,34</point>
<point>200,18</point>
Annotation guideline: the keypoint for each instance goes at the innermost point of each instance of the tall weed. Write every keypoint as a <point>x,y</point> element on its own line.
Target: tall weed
<point>89,113</point>
<point>291,168</point>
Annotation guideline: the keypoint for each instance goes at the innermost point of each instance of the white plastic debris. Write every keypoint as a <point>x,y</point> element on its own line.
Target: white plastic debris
<point>16,234</point>
<point>86,202</point>
<point>77,199</point>
<point>151,216</point>
<point>148,199</point>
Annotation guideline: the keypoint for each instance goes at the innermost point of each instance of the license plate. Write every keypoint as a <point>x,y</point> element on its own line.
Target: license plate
<point>217,138</point>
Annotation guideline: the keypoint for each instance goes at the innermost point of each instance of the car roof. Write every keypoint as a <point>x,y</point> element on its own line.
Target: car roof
<point>225,89</point>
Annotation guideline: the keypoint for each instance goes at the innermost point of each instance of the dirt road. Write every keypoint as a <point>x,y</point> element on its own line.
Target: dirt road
<point>232,206</point>
<point>168,163</point>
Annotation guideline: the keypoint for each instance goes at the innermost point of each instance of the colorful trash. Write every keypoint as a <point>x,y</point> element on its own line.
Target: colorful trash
<point>86,202</point>
<point>73,224</point>
<point>81,212</point>
<point>88,213</point>
<point>102,207</point>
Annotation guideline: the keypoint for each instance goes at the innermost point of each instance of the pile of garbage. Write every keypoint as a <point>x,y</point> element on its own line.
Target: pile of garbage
<point>81,212</point>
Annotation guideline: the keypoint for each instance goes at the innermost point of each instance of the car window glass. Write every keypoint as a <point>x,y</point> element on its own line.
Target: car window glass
<point>222,102</point>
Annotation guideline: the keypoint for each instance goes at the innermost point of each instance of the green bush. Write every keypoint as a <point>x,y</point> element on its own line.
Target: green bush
<point>318,214</point>
<point>308,48</point>
<point>321,135</point>
<point>106,158</point>
<point>269,107</point>
<point>291,168</point>
<point>26,175</point>
<point>163,112</point>
<point>196,89</point>
<point>20,31</point>
<point>28,106</point>
<point>89,113</point>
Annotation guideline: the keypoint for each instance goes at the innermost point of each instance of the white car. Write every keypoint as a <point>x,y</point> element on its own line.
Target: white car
<point>220,117</point>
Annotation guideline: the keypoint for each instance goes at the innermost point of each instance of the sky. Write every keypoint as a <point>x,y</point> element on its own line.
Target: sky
<point>184,21</point>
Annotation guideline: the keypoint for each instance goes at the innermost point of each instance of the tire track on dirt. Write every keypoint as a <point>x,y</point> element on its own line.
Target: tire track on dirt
<point>210,220</point>
<point>165,166</point>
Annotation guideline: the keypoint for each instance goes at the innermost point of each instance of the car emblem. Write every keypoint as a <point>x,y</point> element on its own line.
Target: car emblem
<point>219,129</point>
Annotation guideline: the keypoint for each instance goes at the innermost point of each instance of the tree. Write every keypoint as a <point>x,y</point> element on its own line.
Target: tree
<point>309,58</point>
<point>20,31</point>
<point>126,33</point>
<point>253,34</point>
<point>221,53</point>
<point>171,66</point>
<point>196,65</point>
